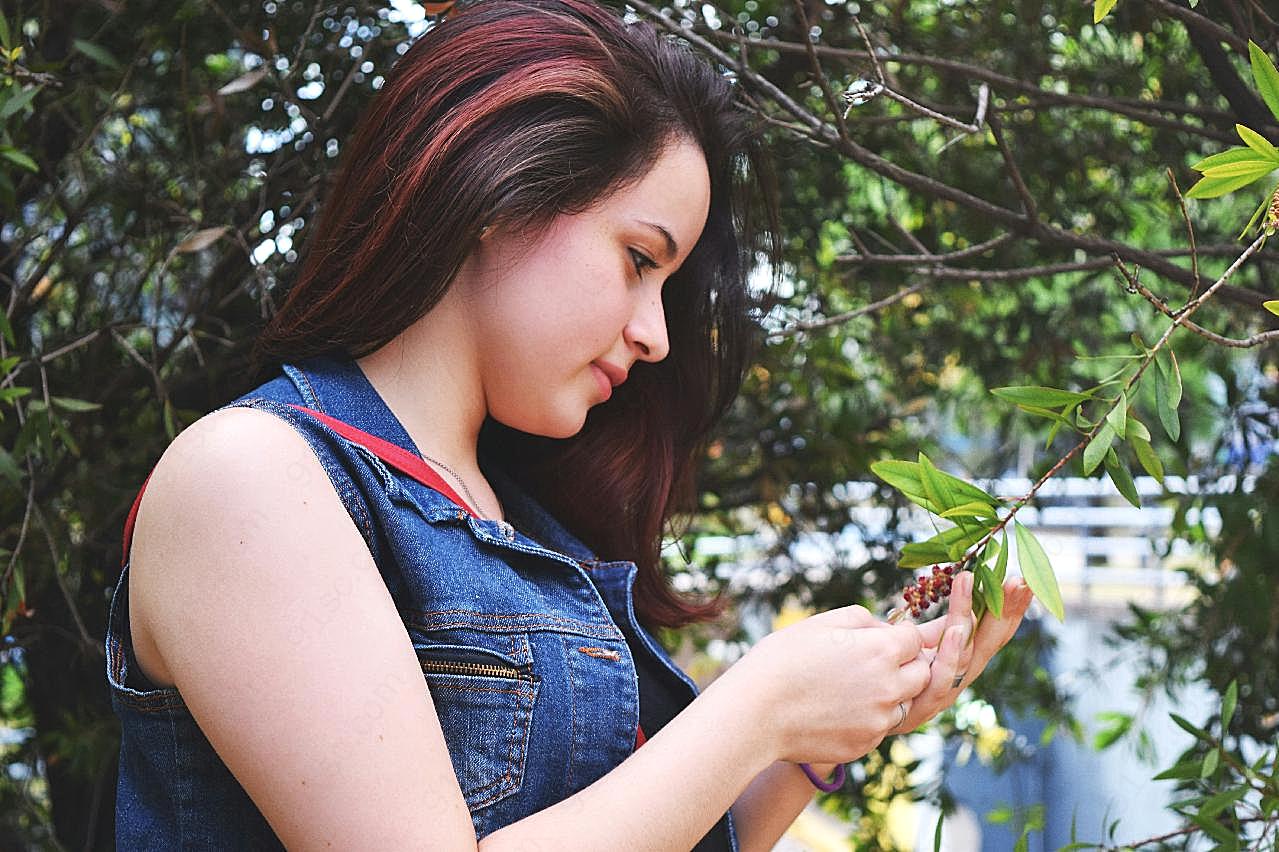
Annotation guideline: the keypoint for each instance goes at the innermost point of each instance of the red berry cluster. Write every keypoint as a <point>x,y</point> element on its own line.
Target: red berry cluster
<point>930,589</point>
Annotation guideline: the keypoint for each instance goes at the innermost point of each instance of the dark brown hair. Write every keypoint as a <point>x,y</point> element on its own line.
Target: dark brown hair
<point>511,112</point>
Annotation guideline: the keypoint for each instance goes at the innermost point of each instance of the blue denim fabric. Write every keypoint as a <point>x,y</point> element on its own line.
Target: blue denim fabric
<point>516,625</point>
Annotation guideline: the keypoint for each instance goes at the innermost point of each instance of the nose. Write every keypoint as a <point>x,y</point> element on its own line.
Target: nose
<point>647,328</point>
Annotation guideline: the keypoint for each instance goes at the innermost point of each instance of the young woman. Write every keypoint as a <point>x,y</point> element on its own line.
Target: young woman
<point>400,595</point>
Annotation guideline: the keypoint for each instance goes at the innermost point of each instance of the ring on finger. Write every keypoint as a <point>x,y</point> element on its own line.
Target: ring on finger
<point>901,721</point>
<point>959,678</point>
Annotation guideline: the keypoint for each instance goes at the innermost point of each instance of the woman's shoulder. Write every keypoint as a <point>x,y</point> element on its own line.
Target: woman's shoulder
<point>238,496</point>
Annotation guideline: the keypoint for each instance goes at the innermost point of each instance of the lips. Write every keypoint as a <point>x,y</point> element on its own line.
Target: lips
<point>606,387</point>
<point>615,375</point>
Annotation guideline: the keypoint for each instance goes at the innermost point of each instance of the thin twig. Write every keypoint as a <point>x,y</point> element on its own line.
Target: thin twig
<point>1014,173</point>
<point>959,254</point>
<point>827,322</point>
<point>1190,231</point>
<point>1135,285</point>
<point>90,644</point>
<point>818,73</point>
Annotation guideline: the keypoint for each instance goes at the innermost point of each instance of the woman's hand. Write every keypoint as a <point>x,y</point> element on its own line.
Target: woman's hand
<point>831,687</point>
<point>955,661</point>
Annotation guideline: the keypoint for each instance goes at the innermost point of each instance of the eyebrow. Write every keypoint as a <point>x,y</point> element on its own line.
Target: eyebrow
<point>672,249</point>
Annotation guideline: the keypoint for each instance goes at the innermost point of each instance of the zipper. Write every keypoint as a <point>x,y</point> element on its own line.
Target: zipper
<point>481,669</point>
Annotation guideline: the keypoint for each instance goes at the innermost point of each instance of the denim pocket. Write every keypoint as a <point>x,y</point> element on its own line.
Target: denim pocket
<point>484,699</point>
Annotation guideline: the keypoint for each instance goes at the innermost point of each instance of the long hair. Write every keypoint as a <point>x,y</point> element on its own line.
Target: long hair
<point>509,113</point>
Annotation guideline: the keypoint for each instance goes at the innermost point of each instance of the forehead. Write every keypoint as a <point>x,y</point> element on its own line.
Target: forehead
<point>674,195</point>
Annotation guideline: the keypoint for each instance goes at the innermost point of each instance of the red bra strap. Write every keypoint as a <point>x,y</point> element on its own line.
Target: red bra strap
<point>396,456</point>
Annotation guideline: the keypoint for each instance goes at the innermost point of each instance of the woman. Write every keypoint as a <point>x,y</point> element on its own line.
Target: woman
<point>400,595</point>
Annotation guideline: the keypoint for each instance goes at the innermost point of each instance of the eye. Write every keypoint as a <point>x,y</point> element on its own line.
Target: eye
<point>641,261</point>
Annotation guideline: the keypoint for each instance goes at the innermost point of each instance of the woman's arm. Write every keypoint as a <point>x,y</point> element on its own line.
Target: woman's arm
<point>772,802</point>
<point>266,609</point>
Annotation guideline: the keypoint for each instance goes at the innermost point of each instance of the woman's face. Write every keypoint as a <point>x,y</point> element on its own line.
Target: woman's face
<point>585,291</point>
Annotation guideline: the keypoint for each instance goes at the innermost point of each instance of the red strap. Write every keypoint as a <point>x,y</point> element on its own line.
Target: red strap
<point>129,521</point>
<point>396,456</point>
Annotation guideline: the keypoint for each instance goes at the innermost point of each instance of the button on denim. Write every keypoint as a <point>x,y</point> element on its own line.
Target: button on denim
<point>517,626</point>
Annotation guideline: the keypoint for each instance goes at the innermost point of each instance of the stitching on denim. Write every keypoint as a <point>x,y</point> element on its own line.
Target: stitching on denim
<point>310,389</point>
<point>601,653</point>
<point>572,715</point>
<point>520,721</point>
<point>155,701</point>
<point>499,616</point>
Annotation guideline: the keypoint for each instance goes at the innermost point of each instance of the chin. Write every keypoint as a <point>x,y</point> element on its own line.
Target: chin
<point>558,428</point>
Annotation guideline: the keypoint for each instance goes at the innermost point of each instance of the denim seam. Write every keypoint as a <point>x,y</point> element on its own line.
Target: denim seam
<point>572,712</point>
<point>527,619</point>
<point>515,740</point>
<point>314,398</point>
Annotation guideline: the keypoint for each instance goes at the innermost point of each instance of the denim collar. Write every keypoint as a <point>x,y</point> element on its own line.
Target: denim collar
<point>340,389</point>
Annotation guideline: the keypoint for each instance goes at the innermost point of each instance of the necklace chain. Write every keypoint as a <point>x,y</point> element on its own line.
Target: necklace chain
<point>460,480</point>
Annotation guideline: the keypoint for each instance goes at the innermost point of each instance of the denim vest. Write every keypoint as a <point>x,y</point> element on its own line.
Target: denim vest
<point>525,641</point>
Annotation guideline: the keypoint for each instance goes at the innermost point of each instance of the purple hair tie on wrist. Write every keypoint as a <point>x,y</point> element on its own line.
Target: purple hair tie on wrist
<point>825,786</point>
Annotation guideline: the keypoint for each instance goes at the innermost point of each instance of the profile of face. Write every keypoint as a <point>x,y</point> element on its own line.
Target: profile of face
<point>548,309</point>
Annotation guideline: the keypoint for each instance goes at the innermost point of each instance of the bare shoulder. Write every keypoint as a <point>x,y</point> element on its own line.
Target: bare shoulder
<point>263,603</point>
<point>237,481</point>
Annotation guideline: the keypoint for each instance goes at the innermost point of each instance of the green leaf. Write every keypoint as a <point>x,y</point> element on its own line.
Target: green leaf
<point>934,486</point>
<point>1039,397</point>
<point>1254,168</point>
<point>1117,417</point>
<point>921,554</point>
<point>1217,831</point>
<point>9,468</point>
<point>75,404</point>
<point>97,53</point>
<point>20,101</point>
<point>1212,187</point>
<point>906,477</point>
<point>17,157</point>
<point>1190,728</point>
<point>992,591</point>
<point>1230,155</point>
<point>1096,449</point>
<point>1122,478</point>
<point>1146,456</point>
<point>1218,802</point>
<point>1258,143</point>
<point>1116,725</point>
<point>1171,372</point>
<point>946,546</point>
<point>1136,429</point>
<point>1272,306</point>
<point>1180,772</point>
<point>1211,760</point>
<point>6,328</point>
<point>1037,571</point>
<point>1166,410</point>
<point>1058,419</point>
<point>1101,8</point>
<point>1266,77</point>
<point>969,510</point>
<point>941,817</point>
<point>4,31</point>
<point>1001,562</point>
<point>1228,702</point>
<point>7,394</point>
